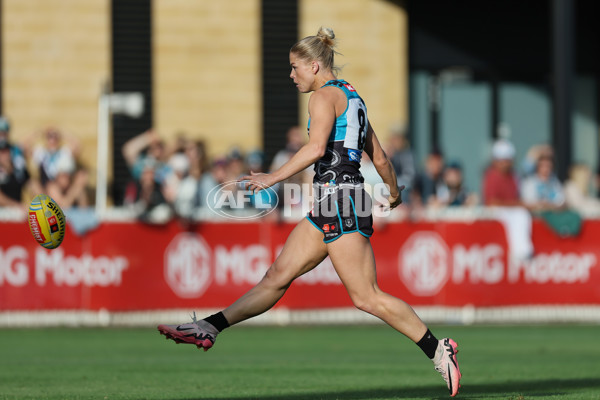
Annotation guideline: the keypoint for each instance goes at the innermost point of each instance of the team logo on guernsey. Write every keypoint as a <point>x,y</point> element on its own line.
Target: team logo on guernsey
<point>349,87</point>
<point>354,155</point>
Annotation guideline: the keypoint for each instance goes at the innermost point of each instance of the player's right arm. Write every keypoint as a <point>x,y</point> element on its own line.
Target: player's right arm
<point>383,166</point>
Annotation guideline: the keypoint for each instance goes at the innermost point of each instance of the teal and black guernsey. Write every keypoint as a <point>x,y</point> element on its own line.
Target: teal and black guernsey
<point>341,161</point>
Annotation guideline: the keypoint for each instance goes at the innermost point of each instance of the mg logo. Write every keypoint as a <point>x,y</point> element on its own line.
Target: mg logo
<point>187,265</point>
<point>423,263</point>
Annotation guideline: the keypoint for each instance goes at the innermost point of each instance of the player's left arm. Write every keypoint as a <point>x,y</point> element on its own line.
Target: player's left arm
<point>321,108</point>
<point>383,166</point>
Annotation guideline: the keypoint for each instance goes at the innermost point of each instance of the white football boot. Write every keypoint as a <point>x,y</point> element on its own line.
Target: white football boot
<point>199,333</point>
<point>445,363</point>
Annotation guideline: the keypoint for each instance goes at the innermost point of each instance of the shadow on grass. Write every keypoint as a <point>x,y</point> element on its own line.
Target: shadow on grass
<point>514,390</point>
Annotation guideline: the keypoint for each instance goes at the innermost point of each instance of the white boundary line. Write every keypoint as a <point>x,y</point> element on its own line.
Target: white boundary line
<point>467,315</point>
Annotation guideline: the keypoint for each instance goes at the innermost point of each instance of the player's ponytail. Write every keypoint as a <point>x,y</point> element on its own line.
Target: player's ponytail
<point>320,47</point>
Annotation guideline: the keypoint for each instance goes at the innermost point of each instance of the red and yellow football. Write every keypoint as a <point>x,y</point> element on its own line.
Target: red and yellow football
<point>46,221</point>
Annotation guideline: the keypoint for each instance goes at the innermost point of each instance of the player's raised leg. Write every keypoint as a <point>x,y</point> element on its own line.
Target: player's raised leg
<point>353,259</point>
<point>303,250</point>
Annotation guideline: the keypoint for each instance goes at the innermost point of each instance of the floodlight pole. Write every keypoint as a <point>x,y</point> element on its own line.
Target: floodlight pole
<point>129,104</point>
<point>102,153</point>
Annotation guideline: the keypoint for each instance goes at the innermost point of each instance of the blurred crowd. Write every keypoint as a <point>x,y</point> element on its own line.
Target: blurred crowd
<point>173,179</point>
<point>54,159</point>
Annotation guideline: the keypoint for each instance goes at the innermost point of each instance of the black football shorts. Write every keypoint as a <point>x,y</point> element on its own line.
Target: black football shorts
<point>341,208</point>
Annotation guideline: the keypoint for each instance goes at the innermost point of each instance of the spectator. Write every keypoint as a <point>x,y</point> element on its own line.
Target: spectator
<point>236,164</point>
<point>543,194</point>
<point>265,199</point>
<point>453,192</point>
<point>12,180</point>
<point>255,160</point>
<point>578,194</point>
<point>143,150</point>
<point>14,175</point>
<point>150,193</point>
<point>69,187</point>
<point>235,168</point>
<point>16,153</point>
<point>290,205</point>
<point>178,167</point>
<point>219,171</point>
<point>4,129</point>
<point>402,159</point>
<point>429,182</point>
<point>217,175</point>
<point>70,190</point>
<point>145,196</point>
<point>193,188</point>
<point>500,187</point>
<point>53,153</point>
<point>542,191</point>
<point>179,144</point>
<point>528,165</point>
<point>61,178</point>
<point>295,139</point>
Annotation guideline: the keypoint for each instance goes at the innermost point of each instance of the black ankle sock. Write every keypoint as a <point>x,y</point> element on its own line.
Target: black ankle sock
<point>218,320</point>
<point>428,344</point>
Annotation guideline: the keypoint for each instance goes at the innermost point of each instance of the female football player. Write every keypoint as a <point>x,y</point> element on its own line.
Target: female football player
<point>340,224</point>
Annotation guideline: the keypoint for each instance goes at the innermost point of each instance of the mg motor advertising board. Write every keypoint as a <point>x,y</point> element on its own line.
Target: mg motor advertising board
<point>131,266</point>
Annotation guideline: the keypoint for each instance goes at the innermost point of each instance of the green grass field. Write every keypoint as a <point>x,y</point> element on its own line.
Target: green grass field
<point>297,363</point>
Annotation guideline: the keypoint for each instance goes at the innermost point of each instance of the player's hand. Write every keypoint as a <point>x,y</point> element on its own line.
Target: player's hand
<point>396,200</point>
<point>256,181</point>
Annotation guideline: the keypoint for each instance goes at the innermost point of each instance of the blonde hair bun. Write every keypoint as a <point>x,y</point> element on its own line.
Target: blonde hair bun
<point>327,36</point>
<point>319,47</point>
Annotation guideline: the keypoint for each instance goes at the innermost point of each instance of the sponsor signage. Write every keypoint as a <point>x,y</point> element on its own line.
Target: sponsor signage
<point>130,266</point>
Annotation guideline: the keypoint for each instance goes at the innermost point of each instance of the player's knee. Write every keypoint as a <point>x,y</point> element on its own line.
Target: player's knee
<point>369,301</point>
<point>363,303</point>
<point>277,277</point>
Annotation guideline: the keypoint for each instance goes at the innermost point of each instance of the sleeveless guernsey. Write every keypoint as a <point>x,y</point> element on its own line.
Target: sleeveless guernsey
<point>341,161</point>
